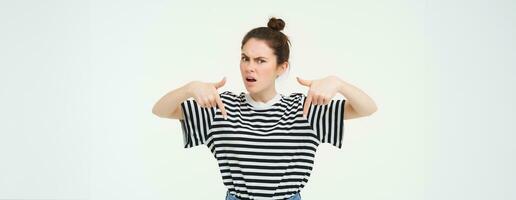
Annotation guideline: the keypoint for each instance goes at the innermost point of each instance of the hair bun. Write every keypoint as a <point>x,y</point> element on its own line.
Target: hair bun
<point>276,24</point>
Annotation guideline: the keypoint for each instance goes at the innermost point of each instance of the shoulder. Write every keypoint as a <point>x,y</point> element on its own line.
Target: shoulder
<point>231,96</point>
<point>295,96</point>
<point>227,93</point>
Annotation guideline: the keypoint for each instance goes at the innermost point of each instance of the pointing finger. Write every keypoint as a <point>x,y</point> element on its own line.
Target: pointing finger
<point>308,101</point>
<point>222,108</point>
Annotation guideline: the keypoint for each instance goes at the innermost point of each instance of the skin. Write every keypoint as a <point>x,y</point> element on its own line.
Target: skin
<point>258,60</point>
<point>321,91</point>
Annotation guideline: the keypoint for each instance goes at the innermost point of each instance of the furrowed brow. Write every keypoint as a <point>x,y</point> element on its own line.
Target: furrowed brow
<point>260,57</point>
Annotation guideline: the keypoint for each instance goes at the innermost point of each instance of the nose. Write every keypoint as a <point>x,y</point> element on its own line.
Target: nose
<point>249,68</point>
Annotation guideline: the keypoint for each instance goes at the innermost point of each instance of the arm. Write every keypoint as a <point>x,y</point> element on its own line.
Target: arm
<point>169,106</point>
<point>358,103</point>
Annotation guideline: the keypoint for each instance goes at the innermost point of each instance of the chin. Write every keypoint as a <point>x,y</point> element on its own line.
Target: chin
<point>251,90</point>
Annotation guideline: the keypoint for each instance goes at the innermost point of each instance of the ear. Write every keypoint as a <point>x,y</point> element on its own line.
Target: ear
<point>282,68</point>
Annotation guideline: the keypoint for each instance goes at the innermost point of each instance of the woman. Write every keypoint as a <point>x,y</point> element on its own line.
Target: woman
<point>264,142</point>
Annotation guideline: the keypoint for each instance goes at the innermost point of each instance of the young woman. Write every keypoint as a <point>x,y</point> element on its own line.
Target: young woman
<point>264,142</point>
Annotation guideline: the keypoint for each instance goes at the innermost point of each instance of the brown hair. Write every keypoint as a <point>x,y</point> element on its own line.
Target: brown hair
<point>274,38</point>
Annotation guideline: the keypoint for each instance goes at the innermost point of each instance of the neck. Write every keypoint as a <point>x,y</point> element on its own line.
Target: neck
<point>263,96</point>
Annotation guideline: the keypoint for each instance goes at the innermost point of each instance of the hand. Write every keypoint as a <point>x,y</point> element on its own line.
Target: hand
<point>320,92</point>
<point>206,94</point>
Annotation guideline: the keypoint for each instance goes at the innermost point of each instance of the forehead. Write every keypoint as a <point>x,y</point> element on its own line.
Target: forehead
<point>257,48</point>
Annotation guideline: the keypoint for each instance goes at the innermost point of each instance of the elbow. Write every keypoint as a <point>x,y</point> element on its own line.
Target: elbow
<point>156,112</point>
<point>161,114</point>
<point>373,108</point>
<point>371,111</point>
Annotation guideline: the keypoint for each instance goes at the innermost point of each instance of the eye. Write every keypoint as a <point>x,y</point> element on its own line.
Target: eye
<point>243,58</point>
<point>261,61</point>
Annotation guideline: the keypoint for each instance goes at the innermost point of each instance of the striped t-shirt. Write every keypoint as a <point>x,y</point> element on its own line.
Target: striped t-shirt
<point>264,150</point>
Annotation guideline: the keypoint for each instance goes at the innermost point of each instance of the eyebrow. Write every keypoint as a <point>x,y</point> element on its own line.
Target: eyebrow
<point>243,54</point>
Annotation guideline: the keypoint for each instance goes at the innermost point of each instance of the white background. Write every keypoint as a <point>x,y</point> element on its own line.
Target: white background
<point>78,81</point>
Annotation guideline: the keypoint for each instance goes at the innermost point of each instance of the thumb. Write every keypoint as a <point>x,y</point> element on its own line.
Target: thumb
<point>220,83</point>
<point>304,82</point>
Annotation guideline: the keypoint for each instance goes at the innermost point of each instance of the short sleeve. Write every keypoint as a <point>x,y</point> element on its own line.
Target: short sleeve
<point>328,121</point>
<point>196,122</point>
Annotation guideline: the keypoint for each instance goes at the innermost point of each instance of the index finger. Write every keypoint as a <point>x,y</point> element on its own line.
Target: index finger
<point>308,101</point>
<point>221,106</point>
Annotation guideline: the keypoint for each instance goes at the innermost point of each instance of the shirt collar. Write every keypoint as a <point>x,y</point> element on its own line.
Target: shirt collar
<point>271,102</point>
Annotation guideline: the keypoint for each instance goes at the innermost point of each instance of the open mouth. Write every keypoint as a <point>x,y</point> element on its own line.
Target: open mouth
<point>250,80</point>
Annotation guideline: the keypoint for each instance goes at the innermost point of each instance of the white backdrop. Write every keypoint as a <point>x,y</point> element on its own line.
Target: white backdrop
<point>78,81</point>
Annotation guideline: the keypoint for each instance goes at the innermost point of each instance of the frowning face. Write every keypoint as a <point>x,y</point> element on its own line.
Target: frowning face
<point>258,66</point>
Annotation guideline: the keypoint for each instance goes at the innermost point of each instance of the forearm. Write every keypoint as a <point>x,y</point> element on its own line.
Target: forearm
<point>168,104</point>
<point>359,100</point>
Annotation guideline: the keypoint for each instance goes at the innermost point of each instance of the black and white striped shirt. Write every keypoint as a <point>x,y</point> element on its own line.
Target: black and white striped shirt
<point>267,150</point>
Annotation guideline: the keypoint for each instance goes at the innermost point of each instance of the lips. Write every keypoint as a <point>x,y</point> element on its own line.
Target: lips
<point>250,79</point>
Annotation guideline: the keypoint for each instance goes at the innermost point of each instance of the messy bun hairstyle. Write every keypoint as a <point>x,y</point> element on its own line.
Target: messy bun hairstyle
<point>274,38</point>
<point>276,24</point>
